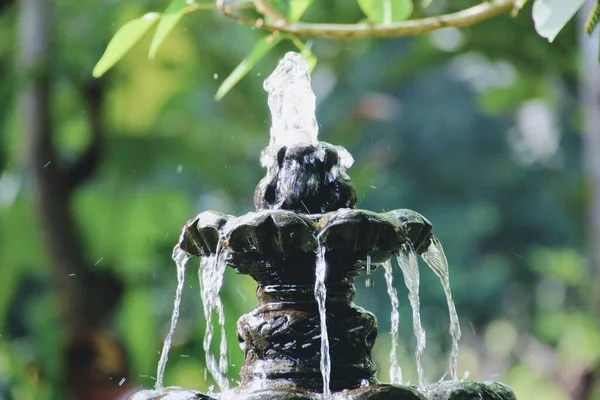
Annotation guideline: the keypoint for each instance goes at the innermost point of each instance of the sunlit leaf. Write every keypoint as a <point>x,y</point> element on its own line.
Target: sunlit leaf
<point>297,8</point>
<point>592,21</point>
<point>386,10</point>
<point>124,39</point>
<point>292,9</point>
<point>520,3</point>
<point>550,16</point>
<point>169,19</point>
<point>261,48</point>
<point>310,58</point>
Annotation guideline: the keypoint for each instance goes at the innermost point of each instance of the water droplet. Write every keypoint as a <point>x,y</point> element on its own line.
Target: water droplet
<point>179,168</point>
<point>215,76</point>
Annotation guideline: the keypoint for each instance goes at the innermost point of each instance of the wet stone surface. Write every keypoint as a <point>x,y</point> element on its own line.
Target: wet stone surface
<point>305,179</point>
<point>278,236</point>
<point>468,390</point>
<point>172,393</point>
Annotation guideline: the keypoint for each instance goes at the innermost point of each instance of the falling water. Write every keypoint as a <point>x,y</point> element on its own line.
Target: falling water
<point>368,281</point>
<point>395,370</point>
<point>212,270</point>
<point>181,258</point>
<point>436,260</point>
<point>321,296</point>
<point>407,260</point>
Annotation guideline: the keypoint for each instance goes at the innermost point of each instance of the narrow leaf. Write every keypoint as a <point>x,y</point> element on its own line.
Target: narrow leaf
<point>310,58</point>
<point>520,3</point>
<point>379,11</point>
<point>297,8</point>
<point>592,21</point>
<point>261,48</point>
<point>292,9</point>
<point>550,16</point>
<point>175,10</point>
<point>122,41</point>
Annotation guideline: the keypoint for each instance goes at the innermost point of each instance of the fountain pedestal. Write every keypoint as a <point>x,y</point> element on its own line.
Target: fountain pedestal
<point>305,245</point>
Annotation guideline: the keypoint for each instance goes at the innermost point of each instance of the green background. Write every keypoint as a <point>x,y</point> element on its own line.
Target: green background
<point>478,129</point>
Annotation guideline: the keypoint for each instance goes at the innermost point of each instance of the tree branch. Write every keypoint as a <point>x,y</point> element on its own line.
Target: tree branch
<point>268,11</point>
<point>467,17</point>
<point>87,163</point>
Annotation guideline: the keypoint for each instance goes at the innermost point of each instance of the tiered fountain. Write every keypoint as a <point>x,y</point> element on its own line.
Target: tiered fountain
<point>305,245</point>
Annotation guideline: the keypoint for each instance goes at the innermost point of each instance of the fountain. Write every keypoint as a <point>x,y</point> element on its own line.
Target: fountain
<point>305,245</point>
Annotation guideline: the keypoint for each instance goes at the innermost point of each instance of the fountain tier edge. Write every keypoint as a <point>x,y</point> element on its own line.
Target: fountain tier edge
<point>305,245</point>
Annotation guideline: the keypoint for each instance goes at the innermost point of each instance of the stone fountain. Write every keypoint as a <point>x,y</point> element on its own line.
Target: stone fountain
<point>305,245</point>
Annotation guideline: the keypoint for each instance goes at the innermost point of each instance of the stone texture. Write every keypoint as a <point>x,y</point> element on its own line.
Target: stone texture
<point>171,393</point>
<point>468,390</point>
<point>307,180</point>
<point>306,199</point>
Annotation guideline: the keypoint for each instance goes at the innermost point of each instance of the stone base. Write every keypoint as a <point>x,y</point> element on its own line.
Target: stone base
<point>170,393</point>
<point>468,390</point>
<point>465,390</point>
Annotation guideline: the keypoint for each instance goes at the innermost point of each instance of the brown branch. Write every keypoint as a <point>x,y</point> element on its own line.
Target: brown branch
<point>467,17</point>
<point>269,12</point>
<point>87,163</point>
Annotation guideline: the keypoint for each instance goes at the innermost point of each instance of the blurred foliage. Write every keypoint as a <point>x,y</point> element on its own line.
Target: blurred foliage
<point>549,17</point>
<point>476,129</point>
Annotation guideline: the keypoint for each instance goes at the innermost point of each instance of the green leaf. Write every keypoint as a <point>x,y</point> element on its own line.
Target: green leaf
<point>311,59</point>
<point>550,16</point>
<point>260,49</point>
<point>124,39</point>
<point>426,3</point>
<point>520,3</point>
<point>297,8</point>
<point>169,19</point>
<point>306,52</point>
<point>386,10</point>
<point>592,20</point>
<point>292,9</point>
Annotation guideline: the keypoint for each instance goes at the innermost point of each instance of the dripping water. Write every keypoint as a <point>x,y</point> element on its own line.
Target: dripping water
<point>181,258</point>
<point>368,281</point>
<point>436,260</point>
<point>407,260</point>
<point>395,370</point>
<point>321,296</point>
<point>212,270</point>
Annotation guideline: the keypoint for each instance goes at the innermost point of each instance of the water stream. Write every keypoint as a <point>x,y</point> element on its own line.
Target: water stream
<point>395,370</point>
<point>436,260</point>
<point>368,281</point>
<point>321,296</point>
<point>407,260</point>
<point>181,258</point>
<point>212,270</point>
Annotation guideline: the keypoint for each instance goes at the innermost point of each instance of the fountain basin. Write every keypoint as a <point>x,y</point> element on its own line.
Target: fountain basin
<point>272,236</point>
<point>305,245</point>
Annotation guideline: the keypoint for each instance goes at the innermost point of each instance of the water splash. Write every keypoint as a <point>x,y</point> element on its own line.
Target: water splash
<point>292,103</point>
<point>321,296</point>
<point>212,270</point>
<point>407,260</point>
<point>181,258</point>
<point>395,370</point>
<point>436,260</point>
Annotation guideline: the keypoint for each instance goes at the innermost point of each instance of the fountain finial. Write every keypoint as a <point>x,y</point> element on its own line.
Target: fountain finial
<point>292,104</point>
